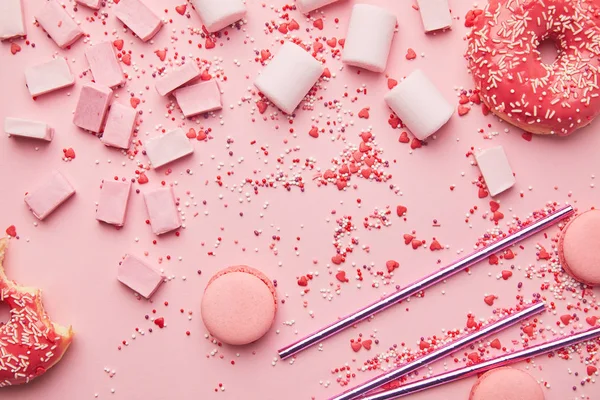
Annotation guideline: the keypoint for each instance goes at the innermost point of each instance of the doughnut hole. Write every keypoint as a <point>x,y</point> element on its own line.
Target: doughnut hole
<point>549,51</point>
<point>4,313</point>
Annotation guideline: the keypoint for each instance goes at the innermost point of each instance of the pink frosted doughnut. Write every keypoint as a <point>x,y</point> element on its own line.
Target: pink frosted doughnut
<point>577,247</point>
<point>239,305</point>
<point>506,384</point>
<point>507,67</point>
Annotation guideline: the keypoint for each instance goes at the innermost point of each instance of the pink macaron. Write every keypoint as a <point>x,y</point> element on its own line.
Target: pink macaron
<point>578,245</point>
<point>239,305</point>
<point>506,384</point>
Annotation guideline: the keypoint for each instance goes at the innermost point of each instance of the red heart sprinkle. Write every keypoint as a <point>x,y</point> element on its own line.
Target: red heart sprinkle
<point>591,320</point>
<point>506,274</point>
<point>489,300</point>
<point>527,136</point>
<point>69,153</point>
<point>410,54</point>
<point>391,83</point>
<point>424,345</point>
<point>162,54</point>
<point>591,370</point>
<point>400,210</point>
<point>329,174</point>
<point>497,216</point>
<point>415,143</point>
<point>337,259</point>
<point>482,193</point>
<point>181,9</point>
<point>262,106</point>
<point>264,55</point>
<point>341,276</point>
<point>302,281</point>
<point>463,99</point>
<point>317,46</point>
<point>474,357</point>
<point>435,245</point>
<point>471,323</point>
<point>494,206</point>
<point>326,73</point>
<point>391,265</point>
<point>367,344</point>
<point>142,179</point>
<point>475,99</point>
<point>126,59</point>
<point>493,260</point>
<point>118,44</point>
<point>201,135</point>
<point>314,132</point>
<point>205,76</point>
<point>191,134</point>
<point>293,25</point>
<point>366,173</point>
<point>495,344</point>
<point>364,113</point>
<point>408,238</point>
<point>416,244</point>
<point>283,28</point>
<point>318,23</point>
<point>544,255</point>
<point>509,255</point>
<point>209,43</point>
<point>134,101</point>
<point>356,346</point>
<point>11,231</point>
<point>160,322</point>
<point>404,137</point>
<point>565,319</point>
<point>463,110</point>
<point>15,48</point>
<point>363,147</point>
<point>366,136</point>
<point>332,42</point>
<point>528,330</point>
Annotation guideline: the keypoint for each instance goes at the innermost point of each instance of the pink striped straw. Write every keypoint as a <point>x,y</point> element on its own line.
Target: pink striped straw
<point>412,289</point>
<point>443,351</point>
<point>501,361</point>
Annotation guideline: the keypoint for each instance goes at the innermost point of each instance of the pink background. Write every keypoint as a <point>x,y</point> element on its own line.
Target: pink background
<point>73,258</point>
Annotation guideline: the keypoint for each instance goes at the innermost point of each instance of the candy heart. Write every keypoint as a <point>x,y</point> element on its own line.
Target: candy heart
<point>424,345</point>
<point>329,174</point>
<point>341,276</point>
<point>363,148</point>
<point>493,260</point>
<point>364,113</point>
<point>15,48</point>
<point>391,265</point>
<point>404,137</point>
<point>591,320</point>
<point>11,231</point>
<point>209,44</point>
<point>408,238</point>
<point>527,136</point>
<point>142,179</point>
<point>293,25</point>
<point>474,98</point>
<point>332,42</point>
<point>400,210</point>
<point>317,46</point>
<point>264,55</point>
<point>337,259</point>
<point>326,73</point>
<point>181,9</point>
<point>283,28</point>
<point>344,170</point>
<point>119,44</point>
<point>497,216</point>
<point>205,76</point>
<point>506,274</point>
<point>435,245</point>
<point>482,193</point>
<point>201,135</point>
<point>410,54</point>
<point>69,153</point>
<point>489,300</point>
<point>191,134</point>
<point>474,357</point>
<point>262,106</point>
<point>591,370</point>
<point>318,23</point>
<point>496,344</point>
<point>370,161</point>
<point>353,168</point>
<point>391,83</point>
<point>302,281</point>
<point>543,255</point>
<point>494,206</point>
<point>366,136</point>
<point>463,99</point>
<point>356,346</point>
<point>565,319</point>
<point>160,322</point>
<point>314,132</point>
<point>415,144</point>
<point>134,101</point>
<point>162,54</point>
<point>357,155</point>
<point>366,173</point>
<point>463,110</point>
<point>471,323</point>
<point>367,344</point>
<point>126,59</point>
<point>416,244</point>
<point>509,255</point>
<point>528,330</point>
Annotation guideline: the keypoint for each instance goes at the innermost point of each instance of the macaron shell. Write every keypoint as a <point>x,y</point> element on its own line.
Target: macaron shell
<point>506,384</point>
<point>578,247</point>
<point>239,306</point>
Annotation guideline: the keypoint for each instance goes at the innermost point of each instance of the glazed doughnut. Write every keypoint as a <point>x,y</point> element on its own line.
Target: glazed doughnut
<point>30,344</point>
<point>510,76</point>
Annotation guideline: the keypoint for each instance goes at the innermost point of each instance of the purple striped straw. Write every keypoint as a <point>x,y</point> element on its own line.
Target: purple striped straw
<point>501,361</point>
<point>362,390</point>
<point>412,289</point>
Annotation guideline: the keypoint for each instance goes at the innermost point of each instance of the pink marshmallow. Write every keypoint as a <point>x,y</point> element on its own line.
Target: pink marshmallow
<point>139,18</point>
<point>177,77</point>
<point>435,14</point>
<point>12,22</point>
<point>162,210</point>
<point>58,24</point>
<point>219,14</point>
<point>91,108</point>
<point>112,205</point>
<point>199,98</point>
<point>168,147</point>
<point>93,4</point>
<point>28,129</point>
<point>139,276</point>
<point>306,6</point>
<point>120,123</point>
<point>50,194</point>
<point>495,169</point>
<point>49,76</point>
<point>104,65</point>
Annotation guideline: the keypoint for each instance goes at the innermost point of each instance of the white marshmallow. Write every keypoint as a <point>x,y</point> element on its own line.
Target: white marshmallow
<point>289,76</point>
<point>49,76</point>
<point>306,6</point>
<point>435,14</point>
<point>495,169</point>
<point>219,14</point>
<point>27,128</point>
<point>169,147</point>
<point>369,37</point>
<point>12,23</point>
<point>419,105</point>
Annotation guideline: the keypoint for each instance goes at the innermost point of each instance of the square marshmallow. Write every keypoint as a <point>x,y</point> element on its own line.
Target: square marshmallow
<point>104,64</point>
<point>139,18</point>
<point>306,6</point>
<point>29,129</point>
<point>168,147</point>
<point>50,194</point>
<point>289,76</point>
<point>420,105</point>
<point>219,14</point>
<point>92,105</point>
<point>93,4</point>
<point>58,24</point>
<point>162,210</point>
<point>369,38</point>
<point>435,14</point>
<point>495,169</point>
<point>199,98</point>
<point>12,22</point>
<point>112,205</point>
<point>139,276</point>
<point>49,76</point>
<point>120,123</point>
<point>177,77</point>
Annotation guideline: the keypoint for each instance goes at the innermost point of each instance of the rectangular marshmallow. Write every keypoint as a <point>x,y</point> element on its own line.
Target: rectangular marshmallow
<point>119,126</point>
<point>199,98</point>
<point>29,129</point>
<point>12,22</point>
<point>92,105</point>
<point>139,276</point>
<point>104,64</point>
<point>420,105</point>
<point>112,205</point>
<point>177,77</point>
<point>435,14</point>
<point>139,18</point>
<point>162,210</point>
<point>495,169</point>
<point>289,76</point>
<point>219,14</point>
<point>93,4</point>
<point>169,147</point>
<point>50,194</point>
<point>306,6</point>
<point>369,38</point>
<point>49,76</point>
<point>58,24</point>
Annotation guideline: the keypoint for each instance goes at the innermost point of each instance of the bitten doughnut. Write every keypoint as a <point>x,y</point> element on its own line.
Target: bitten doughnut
<point>577,247</point>
<point>512,80</point>
<point>30,343</point>
<point>506,384</point>
<point>239,305</point>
